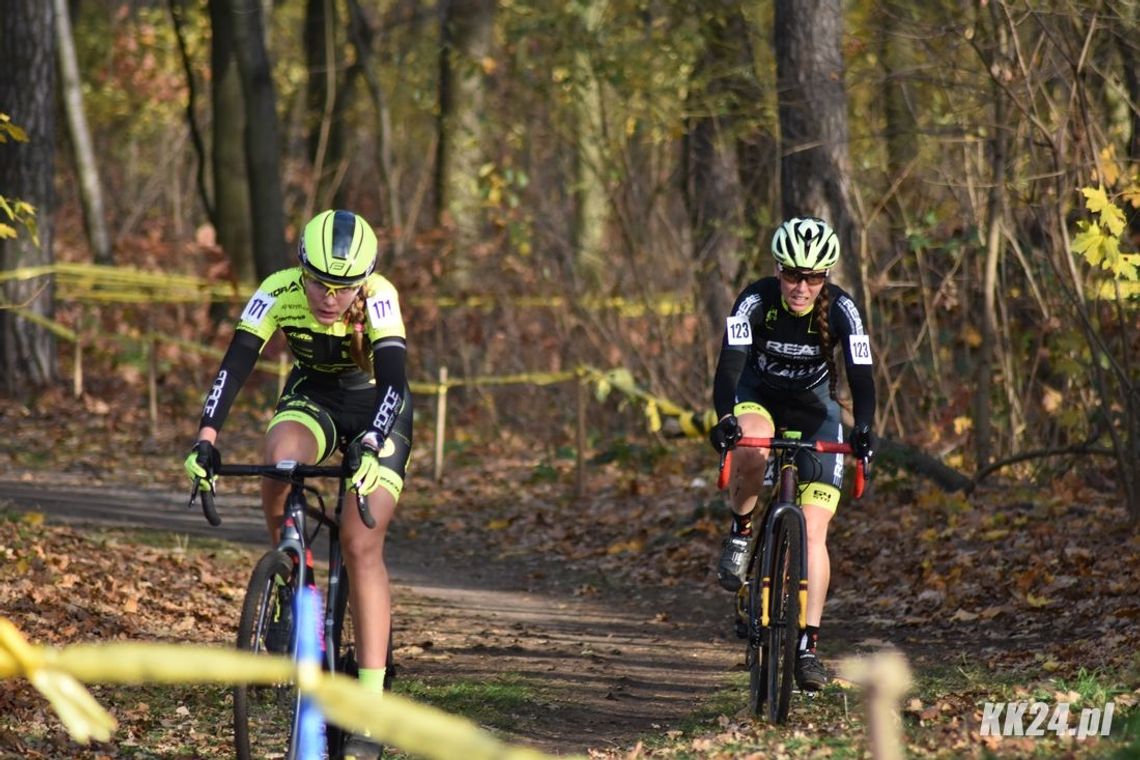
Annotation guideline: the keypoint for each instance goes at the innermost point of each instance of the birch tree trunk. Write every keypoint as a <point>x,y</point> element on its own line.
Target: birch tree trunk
<point>86,167</point>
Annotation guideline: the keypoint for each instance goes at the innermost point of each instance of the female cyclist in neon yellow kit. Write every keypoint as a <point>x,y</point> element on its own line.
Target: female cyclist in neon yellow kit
<point>343,325</point>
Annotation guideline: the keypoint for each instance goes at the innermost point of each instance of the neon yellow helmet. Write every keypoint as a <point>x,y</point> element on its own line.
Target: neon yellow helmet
<point>338,247</point>
<point>805,243</point>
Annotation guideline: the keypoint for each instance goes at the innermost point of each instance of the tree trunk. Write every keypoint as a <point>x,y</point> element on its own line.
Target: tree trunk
<point>326,95</point>
<point>591,199</point>
<point>1130,68</point>
<point>27,95</point>
<point>995,211</point>
<point>712,189</point>
<point>232,215</point>
<point>86,167</point>
<point>815,173</point>
<point>262,144</point>
<point>465,43</point>
<point>361,35</point>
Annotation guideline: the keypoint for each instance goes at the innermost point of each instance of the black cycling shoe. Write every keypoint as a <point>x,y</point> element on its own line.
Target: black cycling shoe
<point>362,747</point>
<point>733,562</point>
<point>810,673</point>
<point>280,627</point>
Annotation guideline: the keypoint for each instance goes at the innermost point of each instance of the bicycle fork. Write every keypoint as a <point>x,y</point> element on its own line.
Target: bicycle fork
<point>782,512</point>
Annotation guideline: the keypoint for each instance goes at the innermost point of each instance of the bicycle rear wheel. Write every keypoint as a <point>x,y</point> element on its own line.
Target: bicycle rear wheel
<point>344,657</point>
<point>263,715</point>
<point>784,626</point>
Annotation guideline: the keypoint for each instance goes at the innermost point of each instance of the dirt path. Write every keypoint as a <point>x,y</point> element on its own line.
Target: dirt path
<point>606,664</point>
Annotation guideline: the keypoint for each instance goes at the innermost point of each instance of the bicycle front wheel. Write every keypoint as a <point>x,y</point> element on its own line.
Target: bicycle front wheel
<point>784,614</point>
<point>756,651</point>
<point>263,715</point>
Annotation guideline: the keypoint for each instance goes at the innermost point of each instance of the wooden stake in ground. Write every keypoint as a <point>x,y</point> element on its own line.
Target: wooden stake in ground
<point>884,678</point>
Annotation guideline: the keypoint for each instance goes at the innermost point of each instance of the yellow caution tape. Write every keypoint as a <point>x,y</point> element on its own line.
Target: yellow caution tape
<point>57,674</point>
<point>689,423</point>
<point>98,283</point>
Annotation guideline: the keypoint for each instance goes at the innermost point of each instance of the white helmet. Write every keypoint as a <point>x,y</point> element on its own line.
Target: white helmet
<point>805,243</point>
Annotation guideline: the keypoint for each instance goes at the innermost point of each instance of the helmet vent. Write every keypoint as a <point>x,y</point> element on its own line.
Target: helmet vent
<point>343,232</point>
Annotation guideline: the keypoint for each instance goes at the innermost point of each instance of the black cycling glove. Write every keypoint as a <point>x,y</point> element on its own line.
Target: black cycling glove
<point>863,442</point>
<point>725,434</point>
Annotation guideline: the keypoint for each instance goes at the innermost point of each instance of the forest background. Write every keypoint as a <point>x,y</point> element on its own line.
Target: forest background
<point>594,180</point>
<point>587,184</point>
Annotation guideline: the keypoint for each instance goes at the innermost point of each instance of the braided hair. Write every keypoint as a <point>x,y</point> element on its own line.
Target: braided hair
<point>827,346</point>
<point>355,316</point>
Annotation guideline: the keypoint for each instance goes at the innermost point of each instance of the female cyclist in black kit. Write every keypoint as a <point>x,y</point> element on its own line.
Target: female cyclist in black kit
<point>348,385</point>
<point>776,370</point>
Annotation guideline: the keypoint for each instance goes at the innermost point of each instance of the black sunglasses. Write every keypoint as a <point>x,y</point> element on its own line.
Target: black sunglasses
<point>796,276</point>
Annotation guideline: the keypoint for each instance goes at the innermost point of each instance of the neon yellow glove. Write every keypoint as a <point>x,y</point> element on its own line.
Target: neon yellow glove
<point>366,478</point>
<point>201,463</point>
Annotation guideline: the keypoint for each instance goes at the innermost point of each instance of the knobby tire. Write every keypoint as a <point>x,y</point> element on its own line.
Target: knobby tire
<point>344,655</point>
<point>263,715</point>
<point>784,627</point>
<point>755,656</point>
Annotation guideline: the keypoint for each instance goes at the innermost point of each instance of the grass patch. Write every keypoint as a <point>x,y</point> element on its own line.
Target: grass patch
<point>493,703</point>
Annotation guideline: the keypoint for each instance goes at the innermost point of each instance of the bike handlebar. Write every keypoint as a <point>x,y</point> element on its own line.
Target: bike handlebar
<point>287,470</point>
<point>823,447</point>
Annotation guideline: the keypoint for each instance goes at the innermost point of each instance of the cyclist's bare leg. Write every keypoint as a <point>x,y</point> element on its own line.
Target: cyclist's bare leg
<point>819,562</point>
<point>285,440</point>
<point>369,593</point>
<point>749,464</point>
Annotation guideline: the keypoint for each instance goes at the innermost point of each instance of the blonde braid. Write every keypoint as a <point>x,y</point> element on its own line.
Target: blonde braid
<point>823,314</point>
<point>355,317</point>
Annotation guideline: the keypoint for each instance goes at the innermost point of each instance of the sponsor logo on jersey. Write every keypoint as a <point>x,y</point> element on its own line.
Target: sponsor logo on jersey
<point>747,306</point>
<point>215,393</point>
<point>791,350</point>
<point>291,287</point>
<point>386,414</point>
<point>851,311</point>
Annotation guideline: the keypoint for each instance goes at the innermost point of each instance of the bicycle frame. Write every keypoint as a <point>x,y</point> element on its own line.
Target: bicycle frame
<point>296,543</point>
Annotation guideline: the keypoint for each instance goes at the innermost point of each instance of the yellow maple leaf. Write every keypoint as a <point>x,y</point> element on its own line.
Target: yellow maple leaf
<point>1132,195</point>
<point>1113,218</point>
<point>1109,169</point>
<point>1112,258</point>
<point>1089,244</point>
<point>1095,198</point>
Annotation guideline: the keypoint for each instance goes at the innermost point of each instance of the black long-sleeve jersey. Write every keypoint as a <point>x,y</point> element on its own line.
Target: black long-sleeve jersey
<point>784,350</point>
